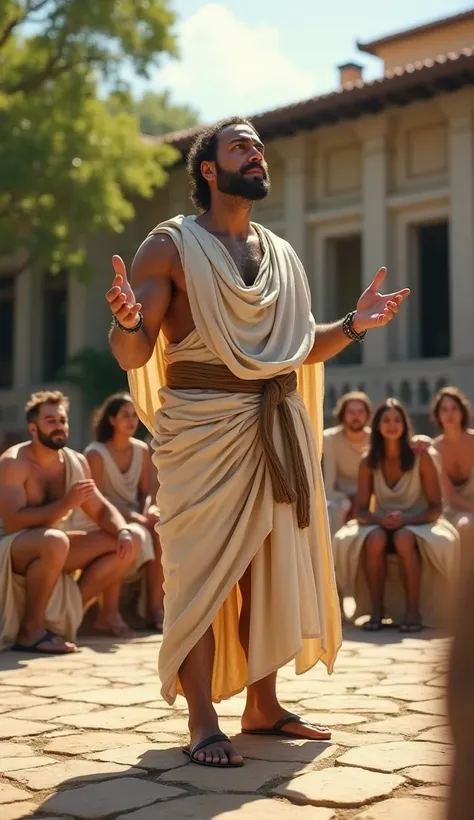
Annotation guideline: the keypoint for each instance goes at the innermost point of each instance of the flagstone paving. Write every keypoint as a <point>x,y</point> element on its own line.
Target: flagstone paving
<point>89,738</point>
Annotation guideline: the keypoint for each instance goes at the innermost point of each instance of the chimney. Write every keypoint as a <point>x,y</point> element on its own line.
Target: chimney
<point>349,73</point>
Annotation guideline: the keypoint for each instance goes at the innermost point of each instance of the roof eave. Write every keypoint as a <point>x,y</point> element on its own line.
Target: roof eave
<point>368,48</point>
<point>401,87</point>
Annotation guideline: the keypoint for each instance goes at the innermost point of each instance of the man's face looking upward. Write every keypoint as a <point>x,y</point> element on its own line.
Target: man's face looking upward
<point>240,167</point>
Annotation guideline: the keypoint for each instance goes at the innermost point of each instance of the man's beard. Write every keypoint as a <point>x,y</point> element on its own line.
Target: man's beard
<point>50,441</point>
<point>235,183</point>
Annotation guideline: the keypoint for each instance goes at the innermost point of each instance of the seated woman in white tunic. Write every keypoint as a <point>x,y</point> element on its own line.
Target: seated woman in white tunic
<point>403,490</point>
<point>120,466</point>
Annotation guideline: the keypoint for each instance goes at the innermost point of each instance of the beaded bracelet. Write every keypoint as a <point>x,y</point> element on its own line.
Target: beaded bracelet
<point>135,329</point>
<point>349,330</point>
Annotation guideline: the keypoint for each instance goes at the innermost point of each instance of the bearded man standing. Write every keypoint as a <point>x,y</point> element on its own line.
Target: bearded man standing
<point>249,580</point>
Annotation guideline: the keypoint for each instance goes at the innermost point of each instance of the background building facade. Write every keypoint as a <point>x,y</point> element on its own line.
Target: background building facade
<point>371,174</point>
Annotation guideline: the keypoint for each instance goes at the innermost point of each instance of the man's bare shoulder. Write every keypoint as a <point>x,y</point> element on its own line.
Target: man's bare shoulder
<point>14,463</point>
<point>157,254</point>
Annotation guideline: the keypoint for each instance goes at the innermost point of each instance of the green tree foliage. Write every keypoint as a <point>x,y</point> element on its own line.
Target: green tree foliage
<point>69,162</point>
<point>158,115</point>
<point>96,374</point>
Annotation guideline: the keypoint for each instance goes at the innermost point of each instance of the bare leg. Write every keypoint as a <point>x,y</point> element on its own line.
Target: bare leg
<point>109,619</point>
<point>375,570</point>
<point>39,555</point>
<point>196,676</point>
<point>154,585</point>
<point>263,709</point>
<point>410,572</point>
<point>102,573</point>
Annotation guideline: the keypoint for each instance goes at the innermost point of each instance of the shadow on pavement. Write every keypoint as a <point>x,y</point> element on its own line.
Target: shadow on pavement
<point>161,783</point>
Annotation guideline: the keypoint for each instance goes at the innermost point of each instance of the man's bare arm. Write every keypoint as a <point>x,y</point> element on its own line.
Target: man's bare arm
<point>328,342</point>
<point>151,289</point>
<point>14,510</point>
<point>374,310</point>
<point>99,510</point>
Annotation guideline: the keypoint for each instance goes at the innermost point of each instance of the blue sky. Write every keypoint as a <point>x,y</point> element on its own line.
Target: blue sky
<point>246,56</point>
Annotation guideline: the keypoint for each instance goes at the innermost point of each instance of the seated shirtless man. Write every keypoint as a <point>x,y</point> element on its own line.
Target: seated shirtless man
<point>451,412</point>
<point>41,483</point>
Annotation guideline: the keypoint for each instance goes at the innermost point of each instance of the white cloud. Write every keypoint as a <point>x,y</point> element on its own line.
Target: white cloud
<point>229,67</point>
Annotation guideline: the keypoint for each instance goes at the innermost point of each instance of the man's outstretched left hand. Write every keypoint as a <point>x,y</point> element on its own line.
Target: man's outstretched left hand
<point>376,309</point>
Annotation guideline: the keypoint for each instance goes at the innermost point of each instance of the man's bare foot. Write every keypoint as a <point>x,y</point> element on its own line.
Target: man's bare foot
<point>281,723</point>
<point>218,752</point>
<point>43,642</point>
<point>113,625</point>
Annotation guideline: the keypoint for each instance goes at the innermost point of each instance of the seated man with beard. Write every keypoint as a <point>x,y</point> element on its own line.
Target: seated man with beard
<point>41,483</point>
<point>343,447</point>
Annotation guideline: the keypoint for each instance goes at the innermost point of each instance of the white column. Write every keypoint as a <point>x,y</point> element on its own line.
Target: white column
<point>375,221</point>
<point>294,194</point>
<point>461,230</point>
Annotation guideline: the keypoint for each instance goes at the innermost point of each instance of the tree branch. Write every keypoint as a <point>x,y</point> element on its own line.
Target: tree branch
<point>6,34</point>
<point>34,7</point>
<point>34,81</point>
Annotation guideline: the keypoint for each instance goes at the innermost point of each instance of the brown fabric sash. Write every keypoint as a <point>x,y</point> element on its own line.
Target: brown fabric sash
<point>274,392</point>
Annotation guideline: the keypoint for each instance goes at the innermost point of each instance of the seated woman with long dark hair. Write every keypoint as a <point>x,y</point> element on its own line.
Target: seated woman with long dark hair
<point>120,466</point>
<point>398,512</point>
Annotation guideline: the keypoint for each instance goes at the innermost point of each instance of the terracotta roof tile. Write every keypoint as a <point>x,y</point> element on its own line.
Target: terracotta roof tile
<point>398,86</point>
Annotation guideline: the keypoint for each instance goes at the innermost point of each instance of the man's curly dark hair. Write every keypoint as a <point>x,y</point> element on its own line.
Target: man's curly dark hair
<point>204,148</point>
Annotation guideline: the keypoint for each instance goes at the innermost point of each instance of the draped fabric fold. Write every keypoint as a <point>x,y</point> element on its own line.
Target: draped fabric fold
<point>121,489</point>
<point>216,498</point>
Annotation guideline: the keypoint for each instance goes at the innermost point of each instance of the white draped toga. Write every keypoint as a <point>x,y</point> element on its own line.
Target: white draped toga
<point>218,515</point>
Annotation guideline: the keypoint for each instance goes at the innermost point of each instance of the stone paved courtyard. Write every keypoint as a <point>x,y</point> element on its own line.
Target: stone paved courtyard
<point>89,737</point>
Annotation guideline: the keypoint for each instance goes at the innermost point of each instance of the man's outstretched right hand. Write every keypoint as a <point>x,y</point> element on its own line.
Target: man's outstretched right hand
<point>121,298</point>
